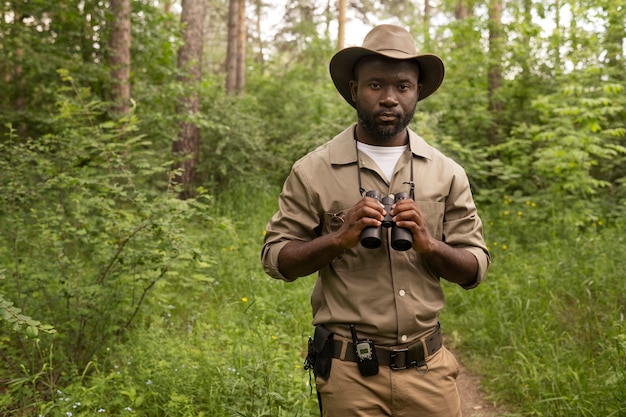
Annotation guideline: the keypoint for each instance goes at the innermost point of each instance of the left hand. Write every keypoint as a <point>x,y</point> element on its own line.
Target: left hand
<point>407,214</point>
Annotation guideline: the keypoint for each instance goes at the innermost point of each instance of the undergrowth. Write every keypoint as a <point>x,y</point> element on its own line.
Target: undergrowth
<point>545,331</point>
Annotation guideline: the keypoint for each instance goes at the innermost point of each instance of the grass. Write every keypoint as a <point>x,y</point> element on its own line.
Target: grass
<point>545,331</point>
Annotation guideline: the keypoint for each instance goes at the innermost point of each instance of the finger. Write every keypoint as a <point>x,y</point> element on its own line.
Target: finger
<point>372,208</point>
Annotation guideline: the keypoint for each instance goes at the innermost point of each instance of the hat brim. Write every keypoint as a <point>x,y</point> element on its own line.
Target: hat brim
<point>342,69</point>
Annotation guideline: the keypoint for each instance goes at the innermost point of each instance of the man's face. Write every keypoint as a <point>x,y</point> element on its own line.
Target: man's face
<point>385,94</point>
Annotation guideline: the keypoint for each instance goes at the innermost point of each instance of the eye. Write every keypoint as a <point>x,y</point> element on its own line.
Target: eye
<point>374,86</point>
<point>404,87</point>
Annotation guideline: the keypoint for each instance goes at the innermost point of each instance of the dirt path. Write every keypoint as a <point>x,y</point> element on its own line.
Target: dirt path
<point>473,403</point>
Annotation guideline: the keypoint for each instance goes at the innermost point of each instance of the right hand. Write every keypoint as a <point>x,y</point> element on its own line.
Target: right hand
<point>367,212</point>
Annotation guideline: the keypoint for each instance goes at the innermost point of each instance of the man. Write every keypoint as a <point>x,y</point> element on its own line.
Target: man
<point>377,349</point>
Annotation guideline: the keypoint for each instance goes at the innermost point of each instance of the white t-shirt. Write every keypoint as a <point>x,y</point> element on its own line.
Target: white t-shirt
<point>386,157</point>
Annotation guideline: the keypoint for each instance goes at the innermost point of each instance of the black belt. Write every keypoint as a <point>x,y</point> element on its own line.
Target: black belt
<point>396,358</point>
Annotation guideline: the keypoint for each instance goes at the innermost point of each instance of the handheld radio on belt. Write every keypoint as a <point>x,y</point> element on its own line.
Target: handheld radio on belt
<point>366,354</point>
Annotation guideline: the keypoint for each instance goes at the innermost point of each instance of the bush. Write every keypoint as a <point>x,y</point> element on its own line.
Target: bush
<point>83,245</point>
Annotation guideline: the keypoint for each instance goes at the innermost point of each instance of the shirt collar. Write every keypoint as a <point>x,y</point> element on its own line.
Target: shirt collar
<point>343,152</point>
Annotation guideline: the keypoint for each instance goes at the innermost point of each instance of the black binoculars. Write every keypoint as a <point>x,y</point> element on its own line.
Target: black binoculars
<point>401,238</point>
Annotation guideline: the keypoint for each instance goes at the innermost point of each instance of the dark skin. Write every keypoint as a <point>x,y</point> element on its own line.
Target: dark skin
<point>386,93</point>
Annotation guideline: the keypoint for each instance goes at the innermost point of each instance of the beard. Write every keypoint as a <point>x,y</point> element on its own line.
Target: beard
<point>383,132</point>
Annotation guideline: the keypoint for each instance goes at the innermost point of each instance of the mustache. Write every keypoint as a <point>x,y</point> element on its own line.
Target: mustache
<point>386,113</point>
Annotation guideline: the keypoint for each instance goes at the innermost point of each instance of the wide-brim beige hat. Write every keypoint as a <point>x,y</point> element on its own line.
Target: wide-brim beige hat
<point>392,42</point>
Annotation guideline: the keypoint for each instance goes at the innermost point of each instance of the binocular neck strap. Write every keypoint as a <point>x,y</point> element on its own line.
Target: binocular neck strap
<point>411,183</point>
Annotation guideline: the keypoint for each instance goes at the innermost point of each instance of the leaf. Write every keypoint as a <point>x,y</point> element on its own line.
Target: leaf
<point>32,332</point>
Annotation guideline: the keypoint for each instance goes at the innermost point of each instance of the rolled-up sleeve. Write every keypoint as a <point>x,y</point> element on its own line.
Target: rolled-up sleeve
<point>462,227</point>
<point>296,219</point>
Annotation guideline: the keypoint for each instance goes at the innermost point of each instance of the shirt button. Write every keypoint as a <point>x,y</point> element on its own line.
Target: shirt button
<point>402,293</point>
<point>403,338</point>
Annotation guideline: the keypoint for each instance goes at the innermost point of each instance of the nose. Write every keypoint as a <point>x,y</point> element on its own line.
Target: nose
<point>388,99</point>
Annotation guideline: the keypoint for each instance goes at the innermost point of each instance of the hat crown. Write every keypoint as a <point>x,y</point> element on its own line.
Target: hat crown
<point>390,38</point>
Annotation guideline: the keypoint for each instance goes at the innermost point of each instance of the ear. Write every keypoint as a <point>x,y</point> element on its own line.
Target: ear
<point>353,88</point>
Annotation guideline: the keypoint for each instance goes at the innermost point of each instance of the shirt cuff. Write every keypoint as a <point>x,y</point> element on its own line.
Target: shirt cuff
<point>269,258</point>
<point>484,260</point>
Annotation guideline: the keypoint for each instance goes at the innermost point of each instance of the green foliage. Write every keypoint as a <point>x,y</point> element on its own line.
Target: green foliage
<point>300,103</point>
<point>461,103</point>
<point>237,351</point>
<point>83,245</point>
<point>14,316</point>
<point>546,330</point>
<point>257,137</point>
<point>38,38</point>
<point>156,306</point>
<point>571,153</point>
<point>232,150</point>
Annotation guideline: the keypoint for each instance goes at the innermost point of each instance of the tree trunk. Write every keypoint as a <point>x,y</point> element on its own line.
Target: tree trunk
<point>462,10</point>
<point>190,69</point>
<point>427,12</point>
<point>242,31</point>
<point>341,25</point>
<point>231,52</point>
<point>14,68</point>
<point>526,38</point>
<point>496,34</point>
<point>259,58</point>
<point>556,37</point>
<point>120,57</point>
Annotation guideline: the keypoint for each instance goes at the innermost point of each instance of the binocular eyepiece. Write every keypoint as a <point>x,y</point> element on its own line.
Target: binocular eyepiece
<point>401,238</point>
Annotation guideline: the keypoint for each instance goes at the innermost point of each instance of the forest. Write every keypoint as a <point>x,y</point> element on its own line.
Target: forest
<point>143,145</point>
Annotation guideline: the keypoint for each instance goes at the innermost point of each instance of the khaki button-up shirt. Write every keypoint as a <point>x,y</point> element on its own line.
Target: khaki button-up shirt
<point>392,297</point>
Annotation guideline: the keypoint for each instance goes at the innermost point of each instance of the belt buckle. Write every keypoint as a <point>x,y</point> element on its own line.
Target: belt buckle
<point>394,355</point>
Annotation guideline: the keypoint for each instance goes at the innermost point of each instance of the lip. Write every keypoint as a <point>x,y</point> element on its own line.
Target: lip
<point>387,117</point>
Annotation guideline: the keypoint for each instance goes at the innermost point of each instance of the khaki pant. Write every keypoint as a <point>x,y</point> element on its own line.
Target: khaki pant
<point>405,393</point>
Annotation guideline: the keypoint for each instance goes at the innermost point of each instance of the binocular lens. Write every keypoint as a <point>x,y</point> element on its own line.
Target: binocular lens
<point>371,237</point>
<point>401,244</point>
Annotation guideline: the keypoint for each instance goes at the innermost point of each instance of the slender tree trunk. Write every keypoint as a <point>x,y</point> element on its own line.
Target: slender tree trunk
<point>231,51</point>
<point>341,27</point>
<point>18,76</point>
<point>526,39</point>
<point>328,17</point>
<point>556,37</point>
<point>120,57</point>
<point>496,38</point>
<point>462,10</point>
<point>259,59</point>
<point>242,31</point>
<point>190,69</point>
<point>427,12</point>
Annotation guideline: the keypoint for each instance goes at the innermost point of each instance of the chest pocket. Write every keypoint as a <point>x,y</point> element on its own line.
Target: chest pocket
<point>433,213</point>
<point>333,221</point>
<point>355,259</point>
